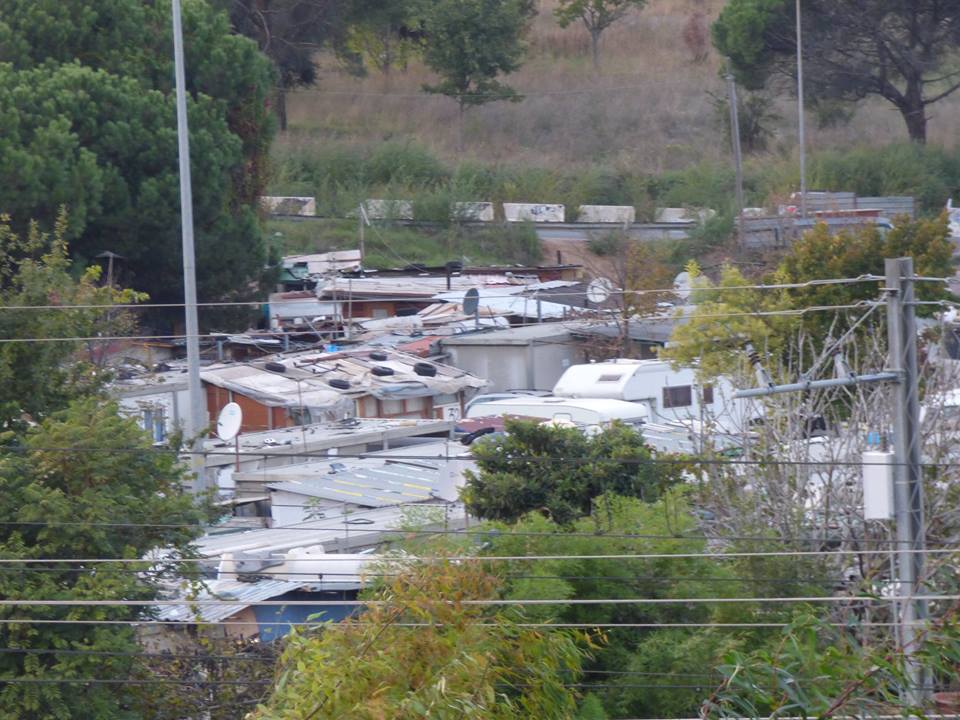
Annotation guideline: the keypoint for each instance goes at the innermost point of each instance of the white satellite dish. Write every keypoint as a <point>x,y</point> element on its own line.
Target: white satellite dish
<point>599,290</point>
<point>229,421</point>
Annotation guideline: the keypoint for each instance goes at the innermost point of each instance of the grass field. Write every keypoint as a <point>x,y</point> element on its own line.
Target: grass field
<point>650,108</point>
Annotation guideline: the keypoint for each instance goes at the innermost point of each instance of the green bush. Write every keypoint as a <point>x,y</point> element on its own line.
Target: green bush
<point>404,163</point>
<point>927,172</point>
<point>342,176</point>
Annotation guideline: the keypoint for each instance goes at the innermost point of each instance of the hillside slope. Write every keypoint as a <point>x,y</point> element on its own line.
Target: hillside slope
<point>651,107</point>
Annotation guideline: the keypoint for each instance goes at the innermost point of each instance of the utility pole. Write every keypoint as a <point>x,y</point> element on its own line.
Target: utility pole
<point>362,216</point>
<point>735,140</point>
<point>908,482</point>
<point>801,123</point>
<point>197,419</point>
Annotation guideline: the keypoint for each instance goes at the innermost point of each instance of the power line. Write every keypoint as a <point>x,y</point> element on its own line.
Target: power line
<point>631,580</point>
<point>489,558</point>
<point>653,459</point>
<point>794,312</point>
<point>398,298</point>
<point>485,602</point>
<point>126,681</point>
<point>487,533</point>
<point>327,624</point>
<point>138,654</point>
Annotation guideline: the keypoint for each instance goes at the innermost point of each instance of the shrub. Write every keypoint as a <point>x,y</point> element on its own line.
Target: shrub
<point>405,163</point>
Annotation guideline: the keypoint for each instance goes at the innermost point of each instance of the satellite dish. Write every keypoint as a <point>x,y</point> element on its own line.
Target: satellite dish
<point>599,290</point>
<point>471,301</point>
<point>681,285</point>
<point>228,422</point>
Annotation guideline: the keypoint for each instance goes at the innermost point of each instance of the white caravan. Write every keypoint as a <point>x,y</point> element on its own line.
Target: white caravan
<point>669,395</point>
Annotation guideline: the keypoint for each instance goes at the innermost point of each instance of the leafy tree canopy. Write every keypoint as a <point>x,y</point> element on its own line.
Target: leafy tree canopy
<point>471,43</point>
<point>39,378</point>
<point>900,51</point>
<point>466,661</point>
<point>717,343</point>
<point>596,16</point>
<point>558,471</point>
<point>626,525</point>
<point>117,478</point>
<point>87,100</point>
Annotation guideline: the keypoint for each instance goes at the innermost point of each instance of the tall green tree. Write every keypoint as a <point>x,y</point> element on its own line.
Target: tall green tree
<point>291,33</point>
<point>386,34</point>
<point>40,377</point>
<point>86,95</point>
<point>558,471</point>
<point>596,16</point>
<point>470,44</point>
<point>852,49</point>
<point>80,469</point>
<point>458,661</point>
<point>636,673</point>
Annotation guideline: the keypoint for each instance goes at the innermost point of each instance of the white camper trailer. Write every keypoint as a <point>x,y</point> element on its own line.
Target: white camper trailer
<point>669,395</point>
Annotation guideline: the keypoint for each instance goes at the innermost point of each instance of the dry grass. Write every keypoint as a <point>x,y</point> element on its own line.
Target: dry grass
<point>649,109</point>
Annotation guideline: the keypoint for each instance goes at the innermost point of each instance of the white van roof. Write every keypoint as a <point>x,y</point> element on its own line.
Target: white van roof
<point>605,379</point>
<point>609,409</point>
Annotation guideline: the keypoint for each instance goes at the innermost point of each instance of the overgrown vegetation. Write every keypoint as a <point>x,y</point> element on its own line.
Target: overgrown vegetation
<point>342,176</point>
<point>396,246</point>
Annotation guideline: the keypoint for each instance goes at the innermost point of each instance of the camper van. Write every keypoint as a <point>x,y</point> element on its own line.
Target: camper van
<point>669,395</point>
<point>589,412</point>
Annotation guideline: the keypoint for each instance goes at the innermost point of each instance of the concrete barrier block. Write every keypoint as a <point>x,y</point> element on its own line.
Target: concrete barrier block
<point>388,209</point>
<point>279,205</point>
<point>520,212</point>
<point>684,215</point>
<point>472,211</point>
<point>620,214</point>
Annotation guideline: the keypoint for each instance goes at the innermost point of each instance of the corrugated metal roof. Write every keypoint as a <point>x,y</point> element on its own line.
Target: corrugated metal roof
<point>243,592</point>
<point>370,486</point>
<point>306,379</point>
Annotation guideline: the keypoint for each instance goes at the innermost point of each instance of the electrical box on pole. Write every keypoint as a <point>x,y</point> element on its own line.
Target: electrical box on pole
<point>878,485</point>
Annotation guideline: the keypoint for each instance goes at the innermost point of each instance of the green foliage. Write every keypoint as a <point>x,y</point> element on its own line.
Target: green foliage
<point>756,118</point>
<point>471,43</point>
<point>717,345</point>
<point>658,656</point>
<point>39,378</point>
<point>119,478</point>
<point>404,164</point>
<point>391,246</point>
<point>470,661</point>
<point>87,100</point>
<point>519,472</point>
<point>596,16</point>
<point>819,670</point>
<point>242,668</point>
<point>385,34</point>
<point>844,56</point>
<point>741,34</point>
<point>927,172</point>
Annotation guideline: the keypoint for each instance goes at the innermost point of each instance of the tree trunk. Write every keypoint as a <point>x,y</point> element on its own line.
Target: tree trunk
<point>462,111</point>
<point>595,48</point>
<point>913,109</point>
<point>282,107</point>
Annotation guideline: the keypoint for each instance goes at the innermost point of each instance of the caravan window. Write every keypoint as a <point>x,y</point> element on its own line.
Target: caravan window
<point>708,394</point>
<point>679,396</point>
